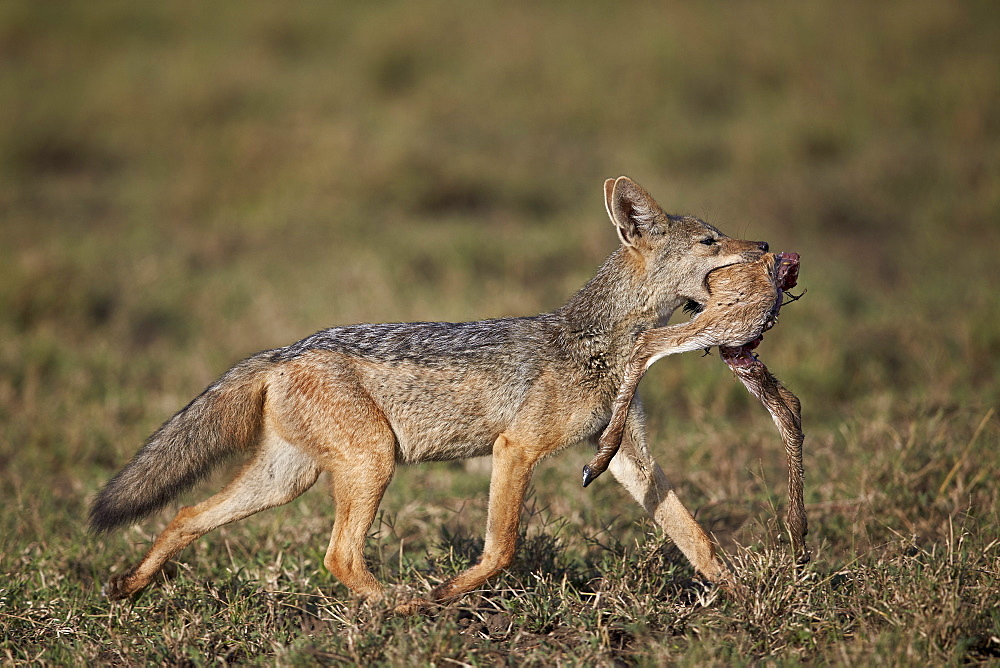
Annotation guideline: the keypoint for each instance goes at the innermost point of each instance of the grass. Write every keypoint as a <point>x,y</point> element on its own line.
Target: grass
<point>182,186</point>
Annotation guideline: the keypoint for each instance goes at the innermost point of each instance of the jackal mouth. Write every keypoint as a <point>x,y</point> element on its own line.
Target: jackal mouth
<point>786,276</point>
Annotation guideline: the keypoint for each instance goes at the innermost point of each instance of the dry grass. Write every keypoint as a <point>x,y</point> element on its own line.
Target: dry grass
<point>182,186</point>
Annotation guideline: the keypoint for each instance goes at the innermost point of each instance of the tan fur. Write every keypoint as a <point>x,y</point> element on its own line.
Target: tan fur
<point>743,303</point>
<point>357,401</point>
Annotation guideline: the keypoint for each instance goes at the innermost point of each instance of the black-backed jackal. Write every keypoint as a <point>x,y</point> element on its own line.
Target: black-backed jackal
<point>357,401</point>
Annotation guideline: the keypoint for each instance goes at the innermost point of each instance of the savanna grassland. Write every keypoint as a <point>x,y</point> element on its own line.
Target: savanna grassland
<point>183,184</point>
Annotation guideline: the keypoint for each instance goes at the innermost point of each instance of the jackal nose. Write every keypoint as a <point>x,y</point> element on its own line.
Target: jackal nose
<point>762,245</point>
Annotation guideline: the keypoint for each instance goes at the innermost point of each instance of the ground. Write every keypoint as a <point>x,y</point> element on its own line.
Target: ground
<point>181,186</point>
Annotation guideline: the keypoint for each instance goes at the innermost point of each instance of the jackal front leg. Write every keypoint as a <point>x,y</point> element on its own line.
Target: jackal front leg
<point>638,472</point>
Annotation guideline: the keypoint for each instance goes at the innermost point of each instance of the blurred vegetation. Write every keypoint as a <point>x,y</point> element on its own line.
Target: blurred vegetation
<point>183,184</point>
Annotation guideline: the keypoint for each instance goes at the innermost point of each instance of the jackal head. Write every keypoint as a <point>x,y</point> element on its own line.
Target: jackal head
<point>676,252</point>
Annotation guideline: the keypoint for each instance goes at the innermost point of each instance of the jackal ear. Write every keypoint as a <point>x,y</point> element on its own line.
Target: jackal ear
<point>633,210</point>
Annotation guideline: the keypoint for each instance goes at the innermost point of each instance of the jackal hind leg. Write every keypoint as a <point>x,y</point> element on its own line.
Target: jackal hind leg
<point>637,471</point>
<point>512,469</point>
<point>275,475</point>
<point>359,476</point>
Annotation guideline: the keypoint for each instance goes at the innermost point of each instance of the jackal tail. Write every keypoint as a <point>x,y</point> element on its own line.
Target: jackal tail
<point>224,420</point>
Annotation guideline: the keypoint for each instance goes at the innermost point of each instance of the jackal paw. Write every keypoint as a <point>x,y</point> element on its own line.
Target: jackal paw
<point>415,606</point>
<point>733,587</point>
<point>117,587</point>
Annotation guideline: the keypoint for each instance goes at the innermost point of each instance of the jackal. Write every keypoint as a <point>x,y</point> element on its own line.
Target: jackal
<point>357,401</point>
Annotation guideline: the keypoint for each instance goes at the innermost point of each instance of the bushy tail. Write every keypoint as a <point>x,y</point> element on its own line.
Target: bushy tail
<point>223,420</point>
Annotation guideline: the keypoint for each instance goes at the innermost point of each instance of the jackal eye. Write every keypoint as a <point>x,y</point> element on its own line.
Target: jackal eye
<point>708,241</point>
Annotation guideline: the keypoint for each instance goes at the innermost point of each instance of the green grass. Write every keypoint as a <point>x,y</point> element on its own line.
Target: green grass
<point>181,186</point>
